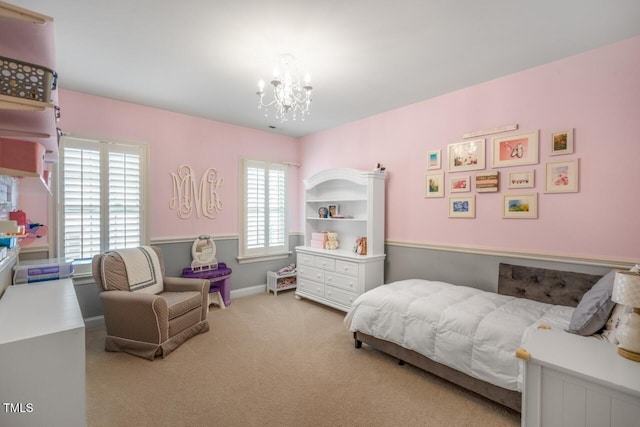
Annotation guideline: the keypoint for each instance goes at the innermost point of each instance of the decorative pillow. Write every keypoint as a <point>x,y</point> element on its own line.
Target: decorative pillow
<point>594,308</point>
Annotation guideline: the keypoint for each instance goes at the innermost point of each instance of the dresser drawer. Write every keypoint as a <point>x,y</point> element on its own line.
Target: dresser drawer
<point>325,263</point>
<point>339,296</point>
<point>310,287</point>
<point>305,259</point>
<point>346,282</point>
<point>311,273</point>
<point>344,267</point>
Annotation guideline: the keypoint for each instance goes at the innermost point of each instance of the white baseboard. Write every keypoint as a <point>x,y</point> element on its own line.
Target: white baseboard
<point>94,322</point>
<point>245,292</point>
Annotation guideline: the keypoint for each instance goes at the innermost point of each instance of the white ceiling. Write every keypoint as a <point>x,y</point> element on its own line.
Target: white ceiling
<point>205,57</point>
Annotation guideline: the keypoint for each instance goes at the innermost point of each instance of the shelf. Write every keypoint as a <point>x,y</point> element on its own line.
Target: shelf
<point>337,219</point>
<point>14,103</point>
<point>21,14</point>
<point>335,200</point>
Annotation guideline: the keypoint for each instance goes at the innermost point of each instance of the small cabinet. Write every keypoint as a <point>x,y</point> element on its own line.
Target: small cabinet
<point>280,282</point>
<point>354,202</point>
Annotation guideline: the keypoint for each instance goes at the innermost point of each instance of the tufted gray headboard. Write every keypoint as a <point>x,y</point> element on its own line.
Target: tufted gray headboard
<point>548,286</point>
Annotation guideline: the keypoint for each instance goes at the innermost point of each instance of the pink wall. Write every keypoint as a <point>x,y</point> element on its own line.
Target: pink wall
<point>174,140</point>
<point>597,93</point>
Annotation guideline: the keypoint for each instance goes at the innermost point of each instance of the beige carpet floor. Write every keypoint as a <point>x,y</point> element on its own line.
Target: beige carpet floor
<point>274,361</point>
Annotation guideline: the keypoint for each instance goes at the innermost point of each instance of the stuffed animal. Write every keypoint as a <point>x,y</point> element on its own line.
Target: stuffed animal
<point>332,241</point>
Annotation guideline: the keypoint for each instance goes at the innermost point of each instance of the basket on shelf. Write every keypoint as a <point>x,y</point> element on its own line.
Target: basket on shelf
<point>24,80</point>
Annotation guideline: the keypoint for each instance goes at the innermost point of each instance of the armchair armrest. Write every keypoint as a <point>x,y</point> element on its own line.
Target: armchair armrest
<point>185,284</point>
<point>136,316</point>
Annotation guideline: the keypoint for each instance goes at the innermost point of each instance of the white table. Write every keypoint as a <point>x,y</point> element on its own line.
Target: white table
<point>42,356</point>
<point>572,380</point>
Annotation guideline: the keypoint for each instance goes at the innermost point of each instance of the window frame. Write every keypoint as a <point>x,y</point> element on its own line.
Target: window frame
<point>104,146</point>
<point>245,254</point>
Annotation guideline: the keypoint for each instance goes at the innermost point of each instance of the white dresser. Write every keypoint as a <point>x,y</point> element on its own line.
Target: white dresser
<point>572,380</point>
<point>337,277</point>
<point>42,356</point>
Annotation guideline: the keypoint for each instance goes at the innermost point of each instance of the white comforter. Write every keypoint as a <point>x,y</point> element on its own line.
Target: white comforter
<point>470,330</point>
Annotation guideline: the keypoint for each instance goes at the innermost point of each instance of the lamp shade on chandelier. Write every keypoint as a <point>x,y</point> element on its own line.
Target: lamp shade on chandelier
<point>290,97</point>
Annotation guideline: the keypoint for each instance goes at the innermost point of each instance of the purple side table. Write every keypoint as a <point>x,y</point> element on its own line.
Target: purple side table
<point>217,281</point>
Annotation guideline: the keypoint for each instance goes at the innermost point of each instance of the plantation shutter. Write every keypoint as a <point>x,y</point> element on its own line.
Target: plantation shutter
<point>265,216</point>
<point>101,192</point>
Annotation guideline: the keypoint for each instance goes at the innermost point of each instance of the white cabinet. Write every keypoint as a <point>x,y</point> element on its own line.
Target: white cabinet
<point>42,356</point>
<point>571,380</point>
<point>337,277</point>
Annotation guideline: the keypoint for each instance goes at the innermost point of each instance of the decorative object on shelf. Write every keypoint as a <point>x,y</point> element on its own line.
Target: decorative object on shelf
<point>561,177</point>
<point>521,179</point>
<point>187,196</point>
<point>323,212</point>
<point>203,252</point>
<point>33,231</point>
<point>25,80</point>
<point>462,207</point>
<point>520,206</point>
<point>487,182</point>
<point>490,131</point>
<point>291,268</point>
<point>561,142</point>
<point>360,247</point>
<point>433,159</point>
<point>626,291</point>
<point>379,168</point>
<point>289,95</point>
<point>460,184</point>
<point>434,185</point>
<point>333,211</point>
<point>465,156</point>
<point>512,150</point>
<point>332,241</point>
<point>318,240</point>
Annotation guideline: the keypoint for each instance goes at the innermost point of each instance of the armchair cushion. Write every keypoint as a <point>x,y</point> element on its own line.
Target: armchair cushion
<point>180,303</point>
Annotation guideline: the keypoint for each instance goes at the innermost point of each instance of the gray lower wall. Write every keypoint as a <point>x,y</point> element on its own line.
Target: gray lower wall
<point>468,269</point>
<point>402,262</point>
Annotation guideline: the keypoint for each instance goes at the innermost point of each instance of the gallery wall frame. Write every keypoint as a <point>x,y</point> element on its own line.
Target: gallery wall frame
<point>434,159</point>
<point>487,182</point>
<point>514,150</point>
<point>462,206</point>
<point>562,176</point>
<point>521,179</point>
<point>460,184</point>
<point>467,155</point>
<point>520,206</point>
<point>434,185</point>
<point>561,142</point>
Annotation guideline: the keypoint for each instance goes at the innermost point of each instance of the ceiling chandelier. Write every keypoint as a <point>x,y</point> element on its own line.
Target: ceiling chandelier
<point>289,95</point>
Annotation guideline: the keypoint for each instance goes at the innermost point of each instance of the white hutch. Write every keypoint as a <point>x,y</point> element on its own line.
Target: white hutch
<point>336,277</point>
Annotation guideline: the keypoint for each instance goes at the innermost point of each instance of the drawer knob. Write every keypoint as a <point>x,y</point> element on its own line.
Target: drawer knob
<point>346,268</point>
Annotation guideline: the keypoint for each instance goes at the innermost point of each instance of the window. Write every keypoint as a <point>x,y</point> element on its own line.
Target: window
<point>264,231</point>
<point>101,197</point>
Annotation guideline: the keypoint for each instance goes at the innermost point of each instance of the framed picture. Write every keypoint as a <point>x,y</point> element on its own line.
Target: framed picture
<point>460,184</point>
<point>487,182</point>
<point>515,150</point>
<point>561,177</point>
<point>334,211</point>
<point>433,159</point>
<point>562,142</point>
<point>521,179</point>
<point>462,207</point>
<point>466,156</point>
<point>520,206</point>
<point>434,185</point>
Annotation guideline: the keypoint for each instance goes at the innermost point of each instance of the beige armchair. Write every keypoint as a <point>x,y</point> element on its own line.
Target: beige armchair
<point>147,314</point>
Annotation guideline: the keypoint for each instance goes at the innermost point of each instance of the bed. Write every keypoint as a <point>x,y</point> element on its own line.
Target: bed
<point>465,335</point>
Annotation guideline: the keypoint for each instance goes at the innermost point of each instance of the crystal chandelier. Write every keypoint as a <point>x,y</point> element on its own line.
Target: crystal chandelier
<point>289,95</point>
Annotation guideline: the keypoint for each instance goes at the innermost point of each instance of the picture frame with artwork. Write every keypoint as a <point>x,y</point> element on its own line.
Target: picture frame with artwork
<point>433,159</point>
<point>460,184</point>
<point>520,206</point>
<point>514,150</point>
<point>434,185</point>
<point>561,177</point>
<point>521,179</point>
<point>466,156</point>
<point>561,142</point>
<point>487,182</point>
<point>462,207</point>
